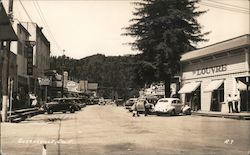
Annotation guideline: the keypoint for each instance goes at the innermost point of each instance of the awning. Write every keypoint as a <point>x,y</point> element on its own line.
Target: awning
<point>241,86</point>
<point>6,31</point>
<point>213,85</point>
<point>189,87</point>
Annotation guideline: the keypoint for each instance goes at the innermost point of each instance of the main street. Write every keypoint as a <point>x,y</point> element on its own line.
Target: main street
<point>111,130</point>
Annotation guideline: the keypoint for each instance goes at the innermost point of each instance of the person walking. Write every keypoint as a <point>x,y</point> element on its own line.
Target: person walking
<point>134,109</point>
<point>230,103</point>
<point>236,102</point>
<point>147,107</point>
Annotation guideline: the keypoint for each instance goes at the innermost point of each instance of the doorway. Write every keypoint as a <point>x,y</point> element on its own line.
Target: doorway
<point>217,98</point>
<point>245,100</point>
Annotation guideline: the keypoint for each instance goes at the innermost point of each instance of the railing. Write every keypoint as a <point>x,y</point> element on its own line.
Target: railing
<point>22,114</point>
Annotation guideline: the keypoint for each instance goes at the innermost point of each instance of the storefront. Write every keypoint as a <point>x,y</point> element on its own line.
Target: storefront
<point>211,73</point>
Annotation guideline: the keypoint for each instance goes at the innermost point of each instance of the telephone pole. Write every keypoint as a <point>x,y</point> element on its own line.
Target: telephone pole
<point>5,77</point>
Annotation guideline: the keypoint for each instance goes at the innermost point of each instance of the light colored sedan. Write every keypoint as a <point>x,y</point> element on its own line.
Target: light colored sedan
<point>172,106</point>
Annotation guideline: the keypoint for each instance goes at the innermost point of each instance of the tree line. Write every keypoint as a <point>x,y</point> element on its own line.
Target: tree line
<point>115,75</point>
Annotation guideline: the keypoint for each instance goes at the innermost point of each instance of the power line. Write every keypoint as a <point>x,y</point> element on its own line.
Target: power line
<point>41,15</point>
<point>236,6</point>
<point>223,7</point>
<point>25,11</point>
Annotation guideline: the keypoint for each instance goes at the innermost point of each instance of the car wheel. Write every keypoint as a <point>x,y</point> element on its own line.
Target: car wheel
<point>188,112</point>
<point>157,113</point>
<point>172,113</point>
<point>64,112</point>
<point>49,111</point>
<point>72,110</point>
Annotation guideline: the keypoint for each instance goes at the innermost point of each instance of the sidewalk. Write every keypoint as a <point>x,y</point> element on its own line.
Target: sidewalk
<point>239,116</point>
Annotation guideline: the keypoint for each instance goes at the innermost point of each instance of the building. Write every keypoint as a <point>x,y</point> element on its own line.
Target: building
<point>213,72</point>
<point>41,54</point>
<point>8,71</point>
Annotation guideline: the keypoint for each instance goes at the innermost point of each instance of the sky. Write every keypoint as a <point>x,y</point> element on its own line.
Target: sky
<point>82,28</point>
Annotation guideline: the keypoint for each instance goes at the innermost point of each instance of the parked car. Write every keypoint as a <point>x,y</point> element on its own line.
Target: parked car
<point>172,106</point>
<point>101,101</point>
<point>141,103</point>
<point>71,100</point>
<point>59,106</point>
<point>119,102</point>
<point>129,103</point>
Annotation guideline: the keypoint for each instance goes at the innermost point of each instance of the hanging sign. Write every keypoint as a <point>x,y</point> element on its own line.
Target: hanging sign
<point>29,51</point>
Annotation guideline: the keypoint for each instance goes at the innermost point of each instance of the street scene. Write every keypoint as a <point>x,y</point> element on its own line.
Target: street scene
<point>111,130</point>
<point>124,77</point>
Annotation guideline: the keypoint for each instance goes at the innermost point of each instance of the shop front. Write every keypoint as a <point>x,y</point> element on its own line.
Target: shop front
<point>210,74</point>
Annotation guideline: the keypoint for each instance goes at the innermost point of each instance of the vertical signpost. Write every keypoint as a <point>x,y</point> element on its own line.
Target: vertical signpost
<point>29,52</point>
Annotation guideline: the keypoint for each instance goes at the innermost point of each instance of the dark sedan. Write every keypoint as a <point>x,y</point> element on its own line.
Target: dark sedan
<point>60,106</point>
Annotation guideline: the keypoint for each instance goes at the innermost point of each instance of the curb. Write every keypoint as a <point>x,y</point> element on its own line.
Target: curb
<point>238,117</point>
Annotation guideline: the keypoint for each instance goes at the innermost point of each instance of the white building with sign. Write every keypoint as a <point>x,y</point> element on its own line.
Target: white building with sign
<point>213,72</point>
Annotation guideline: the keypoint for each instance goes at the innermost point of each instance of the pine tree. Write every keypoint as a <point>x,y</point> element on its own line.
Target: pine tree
<point>163,30</point>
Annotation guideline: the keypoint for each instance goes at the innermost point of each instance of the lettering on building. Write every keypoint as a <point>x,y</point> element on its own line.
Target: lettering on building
<point>211,70</point>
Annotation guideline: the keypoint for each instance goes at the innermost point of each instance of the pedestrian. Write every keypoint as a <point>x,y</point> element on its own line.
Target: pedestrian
<point>236,102</point>
<point>134,110</point>
<point>230,103</point>
<point>195,103</point>
<point>147,107</point>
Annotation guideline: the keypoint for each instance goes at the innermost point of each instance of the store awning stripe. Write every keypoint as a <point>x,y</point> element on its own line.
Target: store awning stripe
<point>213,85</point>
<point>189,87</point>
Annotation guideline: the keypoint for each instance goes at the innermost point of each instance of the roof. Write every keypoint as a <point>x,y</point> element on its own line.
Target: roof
<point>6,31</point>
<point>24,29</point>
<point>227,45</point>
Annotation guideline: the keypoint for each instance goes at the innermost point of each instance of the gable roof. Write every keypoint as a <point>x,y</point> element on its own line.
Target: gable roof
<point>6,31</point>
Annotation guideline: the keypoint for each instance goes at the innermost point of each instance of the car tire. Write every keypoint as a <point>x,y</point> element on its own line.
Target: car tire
<point>188,112</point>
<point>49,111</point>
<point>64,112</point>
<point>157,113</point>
<point>72,110</point>
<point>172,113</point>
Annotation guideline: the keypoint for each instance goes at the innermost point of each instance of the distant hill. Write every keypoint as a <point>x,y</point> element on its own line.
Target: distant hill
<point>114,74</point>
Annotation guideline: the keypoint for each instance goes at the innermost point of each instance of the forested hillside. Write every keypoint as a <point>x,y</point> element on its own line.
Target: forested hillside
<point>114,74</point>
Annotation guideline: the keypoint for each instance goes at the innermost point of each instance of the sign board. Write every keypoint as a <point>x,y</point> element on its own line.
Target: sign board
<point>29,51</point>
<point>44,82</point>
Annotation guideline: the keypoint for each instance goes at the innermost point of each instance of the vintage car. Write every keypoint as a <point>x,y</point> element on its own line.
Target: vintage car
<point>171,106</point>
<point>59,106</point>
<point>129,103</point>
<point>101,101</point>
<point>71,100</point>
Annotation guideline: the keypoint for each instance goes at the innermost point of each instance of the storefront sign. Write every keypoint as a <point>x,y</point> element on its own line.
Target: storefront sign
<point>29,60</point>
<point>44,81</point>
<point>211,70</point>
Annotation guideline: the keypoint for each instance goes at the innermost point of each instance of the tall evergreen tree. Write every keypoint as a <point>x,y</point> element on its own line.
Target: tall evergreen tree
<point>163,30</point>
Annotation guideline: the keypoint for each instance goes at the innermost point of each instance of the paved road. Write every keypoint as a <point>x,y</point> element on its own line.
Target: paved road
<point>110,130</point>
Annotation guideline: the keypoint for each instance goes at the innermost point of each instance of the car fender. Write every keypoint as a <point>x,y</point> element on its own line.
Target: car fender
<point>186,109</point>
<point>171,108</point>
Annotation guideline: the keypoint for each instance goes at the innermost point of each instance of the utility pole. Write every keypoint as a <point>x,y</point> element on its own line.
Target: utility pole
<point>63,72</point>
<point>5,77</point>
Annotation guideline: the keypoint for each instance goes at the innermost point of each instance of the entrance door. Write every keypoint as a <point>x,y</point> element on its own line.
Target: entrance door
<point>217,98</point>
<point>244,102</point>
